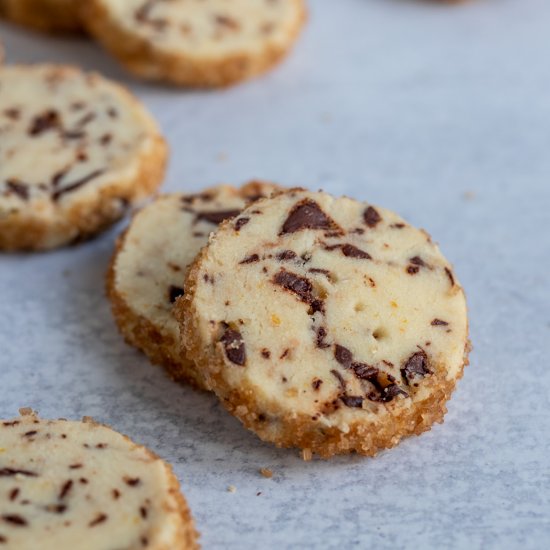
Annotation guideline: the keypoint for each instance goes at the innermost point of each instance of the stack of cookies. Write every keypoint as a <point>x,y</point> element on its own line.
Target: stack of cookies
<point>197,43</point>
<point>321,323</point>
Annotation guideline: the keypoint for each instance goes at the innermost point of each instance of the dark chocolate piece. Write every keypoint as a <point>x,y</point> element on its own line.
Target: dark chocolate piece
<point>234,346</point>
<point>307,214</point>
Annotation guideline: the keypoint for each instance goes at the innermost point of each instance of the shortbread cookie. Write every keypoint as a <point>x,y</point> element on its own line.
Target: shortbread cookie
<point>76,151</point>
<point>148,268</point>
<point>66,484</point>
<point>327,324</point>
<point>43,15</point>
<point>196,42</point>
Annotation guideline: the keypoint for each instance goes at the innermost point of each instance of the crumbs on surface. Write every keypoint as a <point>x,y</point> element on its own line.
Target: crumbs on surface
<point>231,489</point>
<point>266,472</point>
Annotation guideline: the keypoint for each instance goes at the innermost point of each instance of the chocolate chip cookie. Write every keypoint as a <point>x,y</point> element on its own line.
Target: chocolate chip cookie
<point>76,151</point>
<point>326,323</point>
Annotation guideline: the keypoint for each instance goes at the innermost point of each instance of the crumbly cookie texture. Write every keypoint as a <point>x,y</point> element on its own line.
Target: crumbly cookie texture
<point>148,268</point>
<point>196,42</point>
<point>57,16</point>
<point>326,324</point>
<point>76,151</point>
<point>82,485</point>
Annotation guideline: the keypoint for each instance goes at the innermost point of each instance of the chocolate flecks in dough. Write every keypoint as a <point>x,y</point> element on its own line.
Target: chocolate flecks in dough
<point>143,512</point>
<point>101,446</point>
<point>15,519</point>
<point>358,231</point>
<point>250,259</point>
<point>65,489</point>
<point>343,355</point>
<point>12,113</point>
<point>397,225</point>
<point>13,494</point>
<point>450,275</point>
<point>417,260</point>
<point>75,185</point>
<point>321,335</point>
<point>18,188</point>
<point>58,176</point>
<point>132,481</point>
<point>217,216</point>
<point>56,508</point>
<point>350,251</point>
<point>285,354</point>
<point>10,424</point>
<point>106,139</point>
<point>439,322</point>
<point>266,354</point>
<point>286,255</point>
<point>240,223</point>
<point>75,466</point>
<point>234,346</point>
<point>86,119</point>
<point>364,371</point>
<point>371,217</point>
<point>316,384</point>
<point>415,365</point>
<point>300,286</point>
<point>227,22</point>
<point>174,292</point>
<point>30,433</point>
<point>352,401</point>
<point>8,472</point>
<point>42,123</point>
<point>392,391</point>
<point>340,379</point>
<point>413,269</point>
<point>101,518</point>
<point>320,271</point>
<point>83,480</point>
<point>307,214</point>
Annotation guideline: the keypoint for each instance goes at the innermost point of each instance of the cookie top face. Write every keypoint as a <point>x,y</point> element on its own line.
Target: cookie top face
<point>164,238</point>
<point>65,137</point>
<point>327,308</point>
<point>208,28</point>
<point>82,485</point>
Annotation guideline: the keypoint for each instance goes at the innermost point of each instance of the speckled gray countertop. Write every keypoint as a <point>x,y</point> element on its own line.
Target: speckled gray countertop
<point>438,112</point>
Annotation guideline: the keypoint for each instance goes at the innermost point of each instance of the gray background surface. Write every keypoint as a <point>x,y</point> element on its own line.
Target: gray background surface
<point>439,112</point>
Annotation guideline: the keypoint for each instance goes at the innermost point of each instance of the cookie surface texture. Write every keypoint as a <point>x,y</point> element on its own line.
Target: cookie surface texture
<point>326,324</point>
<point>81,485</point>
<point>199,43</point>
<point>148,269</point>
<point>76,151</point>
<point>57,16</point>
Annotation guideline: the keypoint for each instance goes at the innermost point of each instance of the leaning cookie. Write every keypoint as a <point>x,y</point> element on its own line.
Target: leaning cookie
<point>326,324</point>
<point>76,152</point>
<point>67,484</point>
<point>207,43</point>
<point>148,268</point>
<point>57,16</point>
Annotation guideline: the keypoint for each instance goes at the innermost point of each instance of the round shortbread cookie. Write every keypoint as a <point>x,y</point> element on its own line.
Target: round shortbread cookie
<point>326,324</point>
<point>43,15</point>
<point>196,42</point>
<point>67,484</point>
<point>148,268</point>
<point>76,151</point>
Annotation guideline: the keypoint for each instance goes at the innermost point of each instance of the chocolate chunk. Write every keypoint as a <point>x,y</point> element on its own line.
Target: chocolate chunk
<point>99,519</point>
<point>18,188</point>
<point>397,225</point>
<point>340,379</point>
<point>353,401</point>
<point>343,355</point>
<point>300,286</point>
<point>217,216</point>
<point>234,346</point>
<point>285,354</point>
<point>371,216</point>
<point>439,322</point>
<point>307,214</point>
<point>415,365</point>
<point>412,269</point>
<point>286,255</point>
<point>132,481</point>
<point>44,122</point>
<point>75,185</point>
<point>321,335</point>
<point>364,371</point>
<point>228,22</point>
<point>65,489</point>
<point>8,472</point>
<point>58,176</point>
<point>240,222</point>
<point>250,259</point>
<point>56,508</point>
<point>324,272</point>
<point>450,275</point>
<point>316,384</point>
<point>14,519</point>
<point>30,433</point>
<point>266,354</point>
<point>13,494</point>
<point>174,293</point>
<point>417,260</point>
<point>350,251</point>
<point>75,466</point>
<point>392,391</point>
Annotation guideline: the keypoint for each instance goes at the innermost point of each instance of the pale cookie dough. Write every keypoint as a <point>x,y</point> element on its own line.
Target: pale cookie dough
<point>81,485</point>
<point>196,42</point>
<point>326,324</point>
<point>148,268</point>
<point>76,151</point>
<point>44,15</point>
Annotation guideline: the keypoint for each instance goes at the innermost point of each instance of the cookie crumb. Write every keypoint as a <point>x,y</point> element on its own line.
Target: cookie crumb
<point>307,455</point>
<point>266,472</point>
<point>231,489</point>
